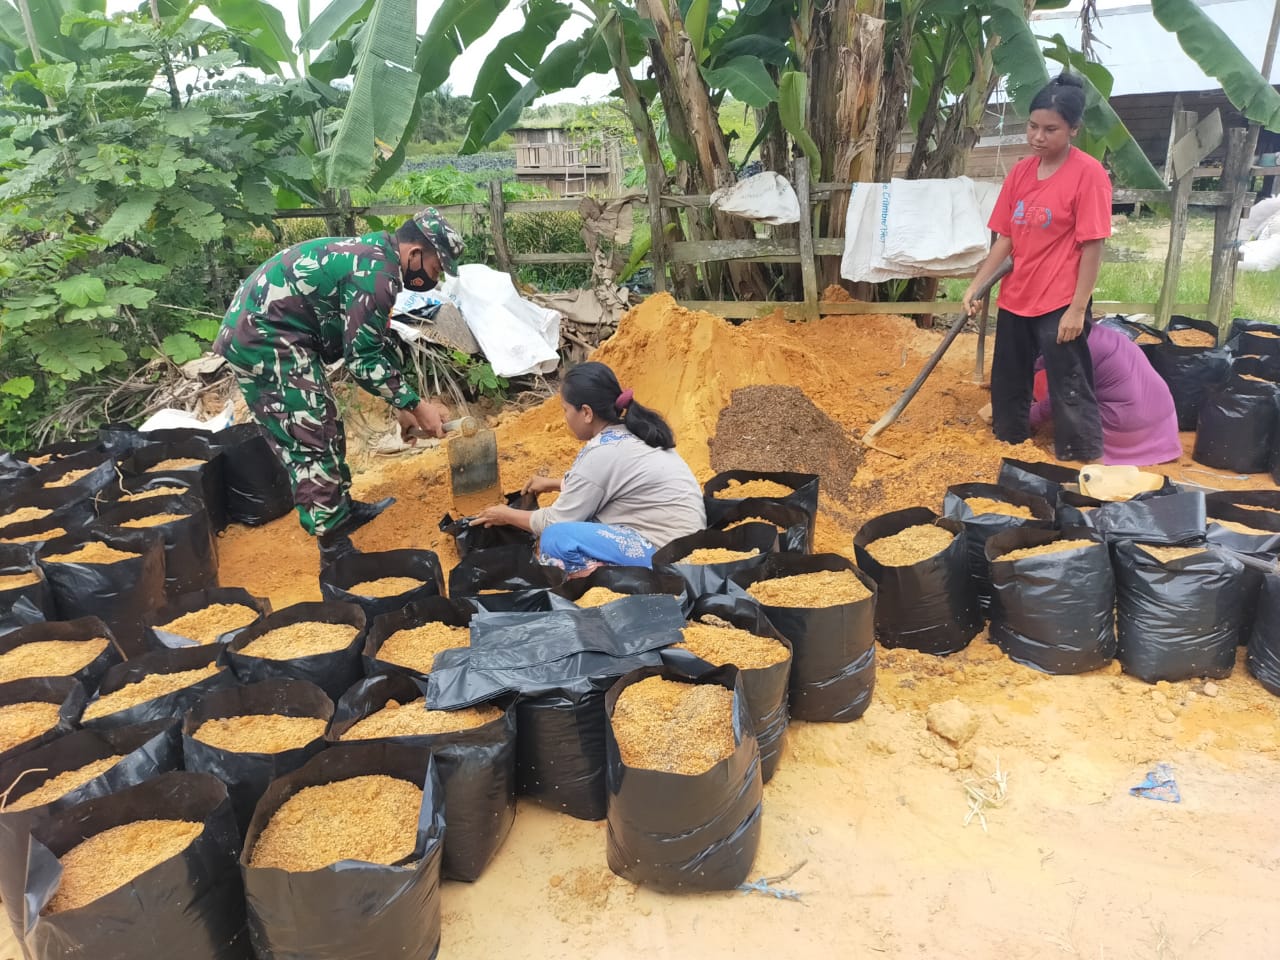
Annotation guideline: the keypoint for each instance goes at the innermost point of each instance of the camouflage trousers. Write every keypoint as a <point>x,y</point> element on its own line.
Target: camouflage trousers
<point>290,396</point>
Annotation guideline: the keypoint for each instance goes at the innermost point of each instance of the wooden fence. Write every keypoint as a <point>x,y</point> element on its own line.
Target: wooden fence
<point>804,249</point>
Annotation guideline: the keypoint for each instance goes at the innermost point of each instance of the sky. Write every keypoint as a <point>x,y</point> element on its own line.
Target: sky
<point>462,77</point>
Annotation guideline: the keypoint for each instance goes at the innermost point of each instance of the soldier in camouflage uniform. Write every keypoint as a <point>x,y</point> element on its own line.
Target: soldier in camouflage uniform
<point>313,304</point>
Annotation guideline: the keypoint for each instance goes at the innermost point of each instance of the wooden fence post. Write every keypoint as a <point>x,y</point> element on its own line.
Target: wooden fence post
<point>1226,228</point>
<point>1183,122</point>
<point>498,224</point>
<point>808,265</point>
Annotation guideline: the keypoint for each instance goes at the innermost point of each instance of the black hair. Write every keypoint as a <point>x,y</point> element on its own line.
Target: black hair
<point>409,233</point>
<point>594,385</point>
<point>1064,95</point>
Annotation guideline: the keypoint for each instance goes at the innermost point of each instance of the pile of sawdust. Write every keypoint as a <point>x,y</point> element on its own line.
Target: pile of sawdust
<point>153,492</point>
<point>413,719</point>
<point>1169,554</point>
<point>705,555</point>
<point>62,784</point>
<point>307,638</point>
<point>416,647</point>
<point>738,490</point>
<point>51,534</point>
<point>12,581</point>
<point>208,623</point>
<point>1058,546</point>
<point>155,520</point>
<point>148,688</point>
<point>109,860</point>
<point>93,552</point>
<point>810,591</point>
<point>24,515</point>
<point>985,505</point>
<point>598,597</point>
<point>719,645</point>
<point>176,463</point>
<point>910,546</point>
<point>49,658</point>
<point>673,727</point>
<point>1190,337</point>
<point>20,722</point>
<point>260,733</point>
<point>777,428</point>
<point>385,587</point>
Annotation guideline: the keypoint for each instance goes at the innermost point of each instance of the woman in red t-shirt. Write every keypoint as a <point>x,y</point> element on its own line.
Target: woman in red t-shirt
<point>1053,215</point>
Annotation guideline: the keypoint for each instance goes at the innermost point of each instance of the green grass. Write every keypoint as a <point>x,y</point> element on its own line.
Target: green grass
<point>1133,270</point>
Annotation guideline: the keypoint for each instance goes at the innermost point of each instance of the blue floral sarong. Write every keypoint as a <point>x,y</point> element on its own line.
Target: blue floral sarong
<point>581,547</point>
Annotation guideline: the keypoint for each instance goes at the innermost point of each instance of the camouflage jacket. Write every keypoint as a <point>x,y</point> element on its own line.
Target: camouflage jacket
<point>330,297</point>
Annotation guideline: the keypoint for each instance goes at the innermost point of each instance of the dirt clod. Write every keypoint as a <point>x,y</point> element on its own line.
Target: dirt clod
<point>952,721</point>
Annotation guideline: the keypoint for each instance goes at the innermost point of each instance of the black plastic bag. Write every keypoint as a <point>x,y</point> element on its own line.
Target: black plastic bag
<point>121,593</point>
<point>795,526</point>
<point>1273,463</point>
<point>101,474</point>
<point>1260,503</point>
<point>331,672</point>
<point>256,484</point>
<point>337,579</point>
<point>156,638</point>
<point>1254,337</point>
<point>247,775</point>
<point>1257,551</point>
<point>560,755</point>
<point>19,558</point>
<point>833,673</point>
<point>765,688</point>
<point>1238,425</point>
<point>1160,517</point>
<point>804,491</point>
<point>477,770</point>
<point>704,578</point>
<point>978,527</point>
<point>170,705</point>
<point>145,750</point>
<point>14,471</point>
<point>67,693</point>
<point>1054,612</point>
<point>69,509</point>
<point>1190,372</point>
<point>930,606</point>
<point>511,569</point>
<point>680,832</point>
<point>350,909</point>
<point>121,439</point>
<point>60,450</point>
<point>207,477</point>
<point>191,904</point>
<point>22,612</point>
<point>626,580</point>
<point>190,549</point>
<point>128,488</point>
<point>1263,659</point>
<point>85,628</point>
<point>530,653</point>
<point>468,539</point>
<point>1180,619</point>
<point>456,613</point>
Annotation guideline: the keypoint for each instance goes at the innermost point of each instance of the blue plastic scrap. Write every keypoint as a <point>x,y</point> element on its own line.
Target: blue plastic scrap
<point>762,886</point>
<point>1159,785</point>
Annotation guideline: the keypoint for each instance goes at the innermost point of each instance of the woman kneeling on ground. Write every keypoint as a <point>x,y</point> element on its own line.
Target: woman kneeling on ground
<point>628,492</point>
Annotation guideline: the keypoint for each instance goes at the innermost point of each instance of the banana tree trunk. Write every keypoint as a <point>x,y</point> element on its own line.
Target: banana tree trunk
<point>845,64</point>
<point>693,119</point>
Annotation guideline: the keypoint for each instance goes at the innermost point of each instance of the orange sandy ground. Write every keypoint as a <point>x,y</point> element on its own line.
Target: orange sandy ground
<point>1071,865</point>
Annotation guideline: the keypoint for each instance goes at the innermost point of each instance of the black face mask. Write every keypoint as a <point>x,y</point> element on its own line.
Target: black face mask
<point>417,278</point>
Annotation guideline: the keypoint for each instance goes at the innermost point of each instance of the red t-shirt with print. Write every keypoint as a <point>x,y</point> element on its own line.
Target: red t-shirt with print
<point>1048,220</point>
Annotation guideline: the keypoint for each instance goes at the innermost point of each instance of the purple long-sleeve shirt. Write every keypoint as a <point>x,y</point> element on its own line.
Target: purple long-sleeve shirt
<point>1139,422</point>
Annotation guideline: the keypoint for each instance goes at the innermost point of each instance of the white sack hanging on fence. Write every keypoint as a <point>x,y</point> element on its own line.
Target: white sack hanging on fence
<point>1260,256</point>
<point>865,224</point>
<point>766,197</point>
<point>1260,215</point>
<point>517,337</point>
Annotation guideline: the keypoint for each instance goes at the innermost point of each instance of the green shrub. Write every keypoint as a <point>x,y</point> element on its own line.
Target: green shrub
<point>553,232</point>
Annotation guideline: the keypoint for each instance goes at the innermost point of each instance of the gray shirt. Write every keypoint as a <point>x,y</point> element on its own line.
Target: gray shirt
<point>619,479</point>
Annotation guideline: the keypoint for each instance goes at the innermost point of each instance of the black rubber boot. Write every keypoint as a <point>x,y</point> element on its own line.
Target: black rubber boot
<point>361,512</point>
<point>334,545</point>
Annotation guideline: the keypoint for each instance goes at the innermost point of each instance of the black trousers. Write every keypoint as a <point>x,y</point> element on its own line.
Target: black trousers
<point>1077,428</point>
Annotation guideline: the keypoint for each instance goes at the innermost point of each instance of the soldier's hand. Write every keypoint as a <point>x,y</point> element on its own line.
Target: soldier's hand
<point>424,419</point>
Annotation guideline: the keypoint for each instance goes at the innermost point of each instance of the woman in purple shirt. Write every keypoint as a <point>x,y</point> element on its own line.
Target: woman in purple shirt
<point>1139,423</point>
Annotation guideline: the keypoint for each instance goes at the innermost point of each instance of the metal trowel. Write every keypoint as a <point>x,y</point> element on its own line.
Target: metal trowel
<point>473,465</point>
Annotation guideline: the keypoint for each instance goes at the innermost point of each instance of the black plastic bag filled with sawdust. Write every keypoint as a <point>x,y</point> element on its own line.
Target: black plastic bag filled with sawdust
<point>795,526</point>
<point>80,476</point>
<point>685,832</point>
<point>103,714</point>
<point>1190,372</point>
<point>190,549</point>
<point>156,622</point>
<point>61,701</point>
<point>247,774</point>
<point>193,462</point>
<point>21,613</point>
<point>468,538</point>
<point>46,509</point>
<point>190,904</point>
<point>332,670</point>
<point>1180,618</point>
<point>351,908</point>
<point>477,769</point>
<point>927,604</point>
<point>1253,537</point>
<point>718,495</point>
<point>505,580</point>
<point>1263,658</point>
<point>22,579</point>
<point>986,520</point>
<point>366,579</point>
<point>1254,338</point>
<point>833,673</point>
<point>764,687</point>
<point>1038,479</point>
<point>1238,423</point>
<point>751,541</point>
<point>14,472</point>
<point>1165,516</point>
<point>89,630</point>
<point>1056,611</point>
<point>135,754</point>
<point>773,428</point>
<point>625,580</point>
<point>256,486</point>
<point>121,590</point>
<point>452,613</point>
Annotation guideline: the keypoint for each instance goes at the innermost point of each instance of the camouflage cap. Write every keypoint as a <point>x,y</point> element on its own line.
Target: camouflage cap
<point>441,235</point>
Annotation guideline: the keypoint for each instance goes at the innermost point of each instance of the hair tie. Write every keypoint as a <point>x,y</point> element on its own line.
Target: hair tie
<point>623,401</point>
